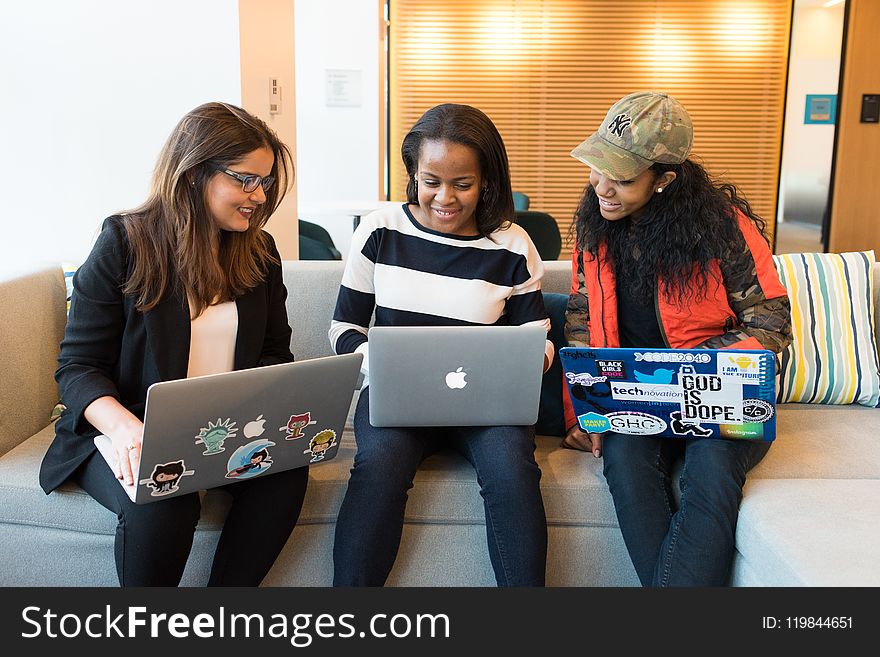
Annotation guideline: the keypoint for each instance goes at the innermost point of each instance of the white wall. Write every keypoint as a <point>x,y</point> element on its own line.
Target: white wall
<point>338,149</point>
<point>90,90</point>
<point>807,148</point>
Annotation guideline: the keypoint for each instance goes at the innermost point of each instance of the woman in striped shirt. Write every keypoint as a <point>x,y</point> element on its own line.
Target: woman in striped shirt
<point>449,256</point>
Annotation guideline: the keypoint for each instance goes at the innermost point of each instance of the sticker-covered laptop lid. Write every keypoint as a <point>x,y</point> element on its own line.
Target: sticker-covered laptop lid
<point>674,393</point>
<point>210,431</point>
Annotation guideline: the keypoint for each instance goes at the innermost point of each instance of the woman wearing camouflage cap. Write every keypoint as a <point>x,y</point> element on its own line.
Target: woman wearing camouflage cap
<point>667,258</point>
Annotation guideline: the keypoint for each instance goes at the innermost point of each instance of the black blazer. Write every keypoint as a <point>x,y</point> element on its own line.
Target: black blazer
<point>111,348</point>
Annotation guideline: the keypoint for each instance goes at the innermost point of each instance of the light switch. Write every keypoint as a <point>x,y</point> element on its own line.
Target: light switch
<point>274,96</point>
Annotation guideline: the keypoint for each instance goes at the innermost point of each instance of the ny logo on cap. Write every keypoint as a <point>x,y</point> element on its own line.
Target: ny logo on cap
<point>620,123</point>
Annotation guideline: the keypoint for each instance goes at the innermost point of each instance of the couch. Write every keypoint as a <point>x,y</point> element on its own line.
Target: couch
<point>810,515</point>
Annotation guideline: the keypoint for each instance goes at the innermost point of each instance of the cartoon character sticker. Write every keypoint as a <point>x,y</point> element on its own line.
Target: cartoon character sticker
<point>250,460</point>
<point>296,424</point>
<point>320,443</point>
<point>166,478</point>
<point>215,434</point>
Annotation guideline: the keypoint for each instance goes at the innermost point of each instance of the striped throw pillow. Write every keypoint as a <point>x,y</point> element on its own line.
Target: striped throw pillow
<point>833,357</point>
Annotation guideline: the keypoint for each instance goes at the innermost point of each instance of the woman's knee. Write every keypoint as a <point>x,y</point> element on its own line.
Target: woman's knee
<point>510,476</point>
<point>718,464</point>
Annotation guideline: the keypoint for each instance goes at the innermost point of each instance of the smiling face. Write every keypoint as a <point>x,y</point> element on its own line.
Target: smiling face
<point>228,204</point>
<point>449,186</point>
<point>619,199</point>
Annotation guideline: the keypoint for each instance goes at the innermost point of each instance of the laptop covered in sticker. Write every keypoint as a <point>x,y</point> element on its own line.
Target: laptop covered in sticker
<point>455,375</point>
<point>214,430</point>
<point>673,393</point>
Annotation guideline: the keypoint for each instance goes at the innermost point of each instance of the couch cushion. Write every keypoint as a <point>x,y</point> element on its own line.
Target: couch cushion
<point>446,489</point>
<point>23,502</point>
<point>32,327</point>
<point>824,442</point>
<point>312,287</point>
<point>809,532</point>
<point>833,356</point>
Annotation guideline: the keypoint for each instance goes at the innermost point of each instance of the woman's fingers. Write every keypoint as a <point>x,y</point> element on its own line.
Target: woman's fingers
<point>596,440</point>
<point>134,459</point>
<point>586,442</point>
<point>128,456</point>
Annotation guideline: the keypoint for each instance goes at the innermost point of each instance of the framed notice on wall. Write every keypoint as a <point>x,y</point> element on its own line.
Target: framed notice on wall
<point>820,108</point>
<point>343,88</point>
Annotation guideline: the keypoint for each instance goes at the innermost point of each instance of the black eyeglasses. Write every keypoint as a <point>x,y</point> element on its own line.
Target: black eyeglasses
<point>250,183</point>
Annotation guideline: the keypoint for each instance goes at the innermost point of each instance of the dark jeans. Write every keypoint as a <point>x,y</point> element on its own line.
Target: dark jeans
<point>370,520</point>
<point>690,543</point>
<point>153,540</point>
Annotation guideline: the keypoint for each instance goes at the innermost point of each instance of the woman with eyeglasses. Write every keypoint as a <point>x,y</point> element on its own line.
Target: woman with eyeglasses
<point>185,285</point>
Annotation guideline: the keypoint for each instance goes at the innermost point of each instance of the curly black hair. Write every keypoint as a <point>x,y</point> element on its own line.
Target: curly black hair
<point>678,234</point>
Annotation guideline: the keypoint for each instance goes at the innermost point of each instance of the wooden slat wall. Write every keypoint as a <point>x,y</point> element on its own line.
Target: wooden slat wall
<point>546,72</point>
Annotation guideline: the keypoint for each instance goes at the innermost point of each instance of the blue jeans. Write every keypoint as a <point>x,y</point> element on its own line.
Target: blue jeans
<point>690,543</point>
<point>370,520</point>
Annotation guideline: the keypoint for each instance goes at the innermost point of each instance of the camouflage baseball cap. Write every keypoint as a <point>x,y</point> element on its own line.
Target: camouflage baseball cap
<point>639,130</point>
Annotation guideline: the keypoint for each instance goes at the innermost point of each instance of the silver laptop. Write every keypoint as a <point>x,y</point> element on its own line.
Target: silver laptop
<point>214,430</point>
<point>455,375</point>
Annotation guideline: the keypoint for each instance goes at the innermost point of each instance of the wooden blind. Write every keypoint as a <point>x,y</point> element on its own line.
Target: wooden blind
<point>547,71</point>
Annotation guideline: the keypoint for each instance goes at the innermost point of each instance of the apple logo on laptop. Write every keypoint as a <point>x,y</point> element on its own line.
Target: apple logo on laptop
<point>255,428</point>
<point>455,380</point>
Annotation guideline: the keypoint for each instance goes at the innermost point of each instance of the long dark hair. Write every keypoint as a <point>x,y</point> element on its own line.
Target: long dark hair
<point>466,125</point>
<point>173,236</point>
<point>677,236</point>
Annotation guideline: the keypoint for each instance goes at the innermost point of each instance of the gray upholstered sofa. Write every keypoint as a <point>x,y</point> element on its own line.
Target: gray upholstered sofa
<point>810,516</point>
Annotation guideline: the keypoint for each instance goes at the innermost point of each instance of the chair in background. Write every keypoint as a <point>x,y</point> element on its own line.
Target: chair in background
<point>520,201</point>
<point>315,243</point>
<point>543,230</point>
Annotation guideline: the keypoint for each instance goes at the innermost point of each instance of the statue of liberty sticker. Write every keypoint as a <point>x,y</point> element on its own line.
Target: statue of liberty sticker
<point>215,434</point>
